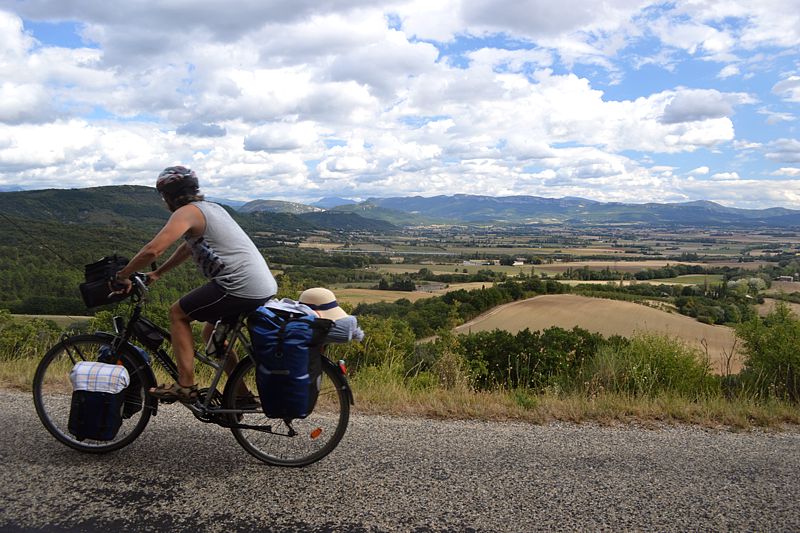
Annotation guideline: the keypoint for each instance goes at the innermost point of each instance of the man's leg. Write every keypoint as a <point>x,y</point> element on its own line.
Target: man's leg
<point>182,344</point>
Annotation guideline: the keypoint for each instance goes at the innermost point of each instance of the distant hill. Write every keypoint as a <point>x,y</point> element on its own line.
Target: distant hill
<point>464,208</point>
<point>277,206</point>
<point>332,201</point>
<point>96,205</point>
<point>472,208</point>
<point>397,217</point>
<point>225,201</point>
<point>334,220</point>
<point>141,207</point>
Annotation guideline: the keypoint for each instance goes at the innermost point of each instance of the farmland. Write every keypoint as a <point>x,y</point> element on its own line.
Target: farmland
<point>608,317</point>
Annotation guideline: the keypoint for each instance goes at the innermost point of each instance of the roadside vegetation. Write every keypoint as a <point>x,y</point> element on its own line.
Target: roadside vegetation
<point>411,361</point>
<point>536,376</point>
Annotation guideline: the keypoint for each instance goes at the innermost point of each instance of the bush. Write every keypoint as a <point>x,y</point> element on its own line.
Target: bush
<point>772,359</point>
<point>648,365</point>
<point>28,338</point>
<point>385,340</point>
<point>531,360</point>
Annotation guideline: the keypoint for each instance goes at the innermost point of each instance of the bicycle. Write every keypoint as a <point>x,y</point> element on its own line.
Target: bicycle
<point>297,442</point>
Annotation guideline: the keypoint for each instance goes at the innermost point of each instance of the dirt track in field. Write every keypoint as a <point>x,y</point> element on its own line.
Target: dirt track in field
<point>608,317</point>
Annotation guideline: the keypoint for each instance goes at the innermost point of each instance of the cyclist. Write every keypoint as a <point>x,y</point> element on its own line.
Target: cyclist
<point>239,278</point>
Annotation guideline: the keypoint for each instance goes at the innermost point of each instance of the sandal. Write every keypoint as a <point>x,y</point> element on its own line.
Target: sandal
<point>175,392</point>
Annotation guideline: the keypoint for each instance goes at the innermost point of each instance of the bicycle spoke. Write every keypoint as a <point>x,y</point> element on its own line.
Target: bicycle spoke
<point>306,440</point>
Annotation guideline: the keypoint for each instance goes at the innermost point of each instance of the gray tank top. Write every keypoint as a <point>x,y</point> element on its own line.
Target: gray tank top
<point>226,255</point>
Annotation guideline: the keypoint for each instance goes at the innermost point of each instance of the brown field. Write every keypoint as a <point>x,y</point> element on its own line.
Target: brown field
<point>784,286</point>
<point>369,296</point>
<point>619,266</point>
<point>769,304</point>
<point>608,317</point>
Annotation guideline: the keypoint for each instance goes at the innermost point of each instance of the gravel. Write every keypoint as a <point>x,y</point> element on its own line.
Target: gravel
<point>399,474</point>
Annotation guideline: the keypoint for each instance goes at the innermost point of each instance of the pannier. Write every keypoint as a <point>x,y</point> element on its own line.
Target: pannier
<point>288,360</point>
<point>97,400</point>
<point>94,289</point>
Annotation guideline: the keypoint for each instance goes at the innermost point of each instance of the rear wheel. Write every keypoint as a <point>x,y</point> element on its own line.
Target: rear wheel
<point>301,441</point>
<point>52,392</point>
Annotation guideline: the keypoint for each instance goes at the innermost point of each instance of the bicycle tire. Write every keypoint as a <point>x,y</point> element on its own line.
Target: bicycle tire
<point>316,435</point>
<point>52,392</point>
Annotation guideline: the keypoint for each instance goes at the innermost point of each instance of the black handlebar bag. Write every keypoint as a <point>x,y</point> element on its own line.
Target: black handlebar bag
<point>94,290</point>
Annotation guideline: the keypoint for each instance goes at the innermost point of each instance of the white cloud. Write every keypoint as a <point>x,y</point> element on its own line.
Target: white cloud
<point>200,129</point>
<point>789,89</point>
<point>784,150</point>
<point>25,103</point>
<point>792,172</point>
<point>728,71</point>
<point>775,117</point>
<point>328,98</point>
<point>280,137</point>
<point>691,105</point>
<point>725,176</point>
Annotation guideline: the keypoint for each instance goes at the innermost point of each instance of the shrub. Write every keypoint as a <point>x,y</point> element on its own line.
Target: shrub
<point>28,338</point>
<point>772,359</point>
<point>648,365</point>
<point>386,339</point>
<point>534,360</point>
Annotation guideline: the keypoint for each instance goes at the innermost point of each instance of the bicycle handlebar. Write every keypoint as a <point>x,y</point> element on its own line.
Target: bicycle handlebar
<point>139,281</point>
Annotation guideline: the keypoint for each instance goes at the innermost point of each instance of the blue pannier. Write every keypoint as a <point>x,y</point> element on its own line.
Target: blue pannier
<point>288,361</point>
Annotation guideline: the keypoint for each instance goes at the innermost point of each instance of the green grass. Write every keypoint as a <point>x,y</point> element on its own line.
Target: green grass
<point>381,390</point>
<point>61,321</point>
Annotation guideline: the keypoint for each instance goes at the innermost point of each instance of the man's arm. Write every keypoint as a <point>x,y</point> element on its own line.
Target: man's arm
<point>181,254</point>
<point>186,219</point>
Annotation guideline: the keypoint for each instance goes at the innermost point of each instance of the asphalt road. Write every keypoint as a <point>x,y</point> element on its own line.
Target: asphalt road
<point>392,474</point>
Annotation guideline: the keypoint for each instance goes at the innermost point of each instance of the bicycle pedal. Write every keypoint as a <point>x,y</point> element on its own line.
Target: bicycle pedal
<point>167,401</point>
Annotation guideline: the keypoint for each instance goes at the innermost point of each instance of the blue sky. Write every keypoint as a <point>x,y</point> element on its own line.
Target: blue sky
<point>621,100</point>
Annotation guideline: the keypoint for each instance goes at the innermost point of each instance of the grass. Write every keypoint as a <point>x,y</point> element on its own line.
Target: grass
<point>61,321</point>
<point>379,390</point>
<point>603,408</point>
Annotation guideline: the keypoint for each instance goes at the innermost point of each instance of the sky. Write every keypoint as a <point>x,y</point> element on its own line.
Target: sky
<point>616,100</point>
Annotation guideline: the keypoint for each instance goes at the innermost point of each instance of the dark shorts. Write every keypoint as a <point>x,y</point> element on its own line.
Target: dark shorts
<point>210,303</point>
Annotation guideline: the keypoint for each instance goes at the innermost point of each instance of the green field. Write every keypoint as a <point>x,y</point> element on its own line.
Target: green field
<point>61,321</point>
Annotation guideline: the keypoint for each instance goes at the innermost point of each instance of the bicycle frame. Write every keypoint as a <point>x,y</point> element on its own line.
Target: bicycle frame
<point>225,344</point>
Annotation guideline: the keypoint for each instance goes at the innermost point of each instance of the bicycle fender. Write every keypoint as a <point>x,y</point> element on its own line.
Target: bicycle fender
<point>327,362</point>
<point>145,367</point>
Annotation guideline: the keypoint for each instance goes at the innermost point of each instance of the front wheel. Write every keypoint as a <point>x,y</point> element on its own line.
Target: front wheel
<point>301,441</point>
<point>52,392</point>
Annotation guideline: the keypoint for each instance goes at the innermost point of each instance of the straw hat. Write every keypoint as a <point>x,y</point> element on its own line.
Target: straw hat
<point>323,301</point>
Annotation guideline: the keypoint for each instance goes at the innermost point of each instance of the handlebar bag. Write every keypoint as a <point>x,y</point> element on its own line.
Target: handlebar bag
<point>288,361</point>
<point>95,290</point>
<point>97,400</point>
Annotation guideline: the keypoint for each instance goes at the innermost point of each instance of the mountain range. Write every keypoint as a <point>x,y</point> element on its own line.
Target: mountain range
<point>142,207</point>
<point>465,208</point>
<point>115,204</point>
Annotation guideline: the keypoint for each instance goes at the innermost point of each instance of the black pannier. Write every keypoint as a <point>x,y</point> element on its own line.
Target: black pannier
<point>97,400</point>
<point>95,290</point>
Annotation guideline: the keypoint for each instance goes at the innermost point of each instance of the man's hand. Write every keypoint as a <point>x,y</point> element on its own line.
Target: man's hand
<point>120,285</point>
<point>152,277</point>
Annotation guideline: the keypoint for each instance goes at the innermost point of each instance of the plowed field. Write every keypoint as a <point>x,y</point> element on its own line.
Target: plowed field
<point>608,317</point>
